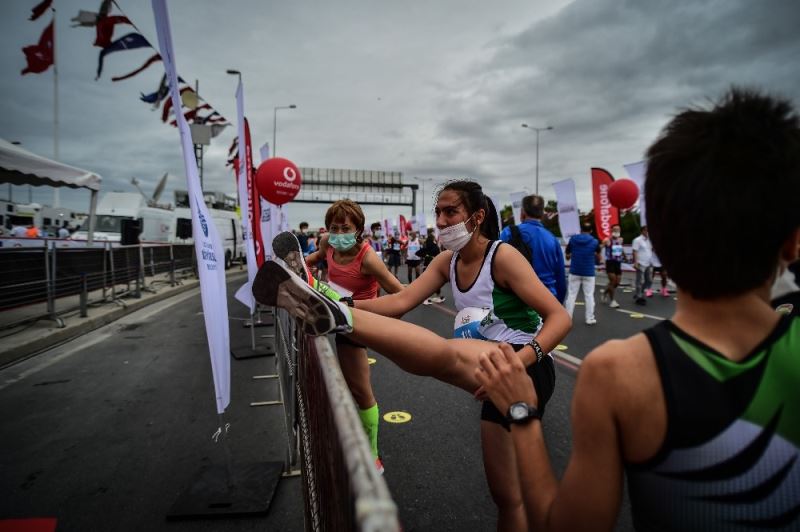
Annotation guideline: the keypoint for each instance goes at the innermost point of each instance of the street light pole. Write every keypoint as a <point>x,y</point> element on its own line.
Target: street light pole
<point>275,126</point>
<point>537,130</point>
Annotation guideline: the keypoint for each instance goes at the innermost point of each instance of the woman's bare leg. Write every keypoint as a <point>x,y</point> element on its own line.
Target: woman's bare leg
<point>418,350</point>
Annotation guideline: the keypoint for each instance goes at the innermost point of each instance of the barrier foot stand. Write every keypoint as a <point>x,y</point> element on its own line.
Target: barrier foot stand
<point>229,490</point>
<point>265,348</point>
<point>261,320</point>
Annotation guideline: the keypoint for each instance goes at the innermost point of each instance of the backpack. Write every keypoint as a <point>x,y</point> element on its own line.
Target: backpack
<point>519,243</point>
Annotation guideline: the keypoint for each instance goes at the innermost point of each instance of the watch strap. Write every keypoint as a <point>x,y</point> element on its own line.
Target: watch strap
<point>533,413</point>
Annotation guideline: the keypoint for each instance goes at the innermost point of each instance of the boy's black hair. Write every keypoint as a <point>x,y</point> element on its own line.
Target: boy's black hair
<point>375,225</point>
<point>723,192</point>
<point>472,196</point>
<point>303,224</point>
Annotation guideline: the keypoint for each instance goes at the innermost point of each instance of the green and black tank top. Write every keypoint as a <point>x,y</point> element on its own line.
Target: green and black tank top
<point>729,460</point>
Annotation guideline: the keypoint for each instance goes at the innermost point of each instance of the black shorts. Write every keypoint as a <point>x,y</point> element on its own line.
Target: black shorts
<point>543,375</point>
<point>342,339</point>
<point>394,259</point>
<point>658,269</point>
<point>614,266</point>
<point>412,263</point>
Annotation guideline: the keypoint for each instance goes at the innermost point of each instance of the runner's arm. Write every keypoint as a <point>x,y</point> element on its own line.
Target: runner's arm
<point>588,496</point>
<point>395,305</point>
<point>313,258</point>
<point>515,274</point>
<point>372,265</point>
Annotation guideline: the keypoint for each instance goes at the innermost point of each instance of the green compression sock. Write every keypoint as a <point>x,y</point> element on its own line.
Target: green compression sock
<point>370,418</point>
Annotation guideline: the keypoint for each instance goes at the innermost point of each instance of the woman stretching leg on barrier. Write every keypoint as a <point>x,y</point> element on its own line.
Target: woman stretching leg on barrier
<point>500,299</point>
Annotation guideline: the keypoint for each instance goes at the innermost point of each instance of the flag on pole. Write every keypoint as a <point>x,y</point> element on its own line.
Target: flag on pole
<point>516,205</point>
<point>39,9</point>
<point>147,63</point>
<point>40,56</point>
<point>638,172</point>
<point>605,214</point>
<point>208,248</point>
<point>104,29</point>
<point>129,42</point>
<point>568,220</point>
<point>245,294</point>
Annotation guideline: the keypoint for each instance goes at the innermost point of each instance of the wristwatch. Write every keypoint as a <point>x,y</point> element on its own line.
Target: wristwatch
<point>522,413</point>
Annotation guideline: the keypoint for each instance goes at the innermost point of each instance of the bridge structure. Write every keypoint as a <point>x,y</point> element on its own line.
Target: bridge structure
<point>367,187</point>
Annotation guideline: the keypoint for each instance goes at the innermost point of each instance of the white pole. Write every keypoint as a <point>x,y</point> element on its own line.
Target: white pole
<point>56,198</point>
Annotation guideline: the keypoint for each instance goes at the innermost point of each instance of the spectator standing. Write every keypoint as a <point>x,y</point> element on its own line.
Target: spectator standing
<point>583,250</point>
<point>615,254</point>
<point>643,262</point>
<point>547,257</point>
<point>302,237</point>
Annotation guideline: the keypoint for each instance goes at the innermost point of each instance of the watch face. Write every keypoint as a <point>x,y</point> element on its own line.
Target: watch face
<point>518,411</point>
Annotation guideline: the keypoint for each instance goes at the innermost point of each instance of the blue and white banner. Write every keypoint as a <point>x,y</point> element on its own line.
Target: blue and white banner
<point>568,220</point>
<point>637,172</point>
<point>206,240</point>
<point>245,294</point>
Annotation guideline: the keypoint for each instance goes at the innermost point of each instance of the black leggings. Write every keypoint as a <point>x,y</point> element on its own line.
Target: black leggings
<point>543,375</point>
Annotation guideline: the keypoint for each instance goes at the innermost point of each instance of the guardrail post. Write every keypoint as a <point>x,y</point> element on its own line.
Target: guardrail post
<point>113,278</point>
<point>171,265</point>
<point>138,291</point>
<point>105,281</point>
<point>141,274</point>
<point>84,296</point>
<point>48,277</point>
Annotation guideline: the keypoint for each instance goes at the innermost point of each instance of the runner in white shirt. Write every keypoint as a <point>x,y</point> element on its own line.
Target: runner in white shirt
<point>643,262</point>
<point>412,259</point>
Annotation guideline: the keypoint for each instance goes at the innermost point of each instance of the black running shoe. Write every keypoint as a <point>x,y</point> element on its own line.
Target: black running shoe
<point>287,248</point>
<point>276,286</point>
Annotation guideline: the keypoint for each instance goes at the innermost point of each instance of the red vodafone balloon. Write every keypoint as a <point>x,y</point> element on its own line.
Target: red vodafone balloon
<point>278,180</point>
<point>623,193</point>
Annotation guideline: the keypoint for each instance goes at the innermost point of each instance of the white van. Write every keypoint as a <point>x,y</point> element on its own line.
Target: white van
<point>228,226</point>
<point>157,225</point>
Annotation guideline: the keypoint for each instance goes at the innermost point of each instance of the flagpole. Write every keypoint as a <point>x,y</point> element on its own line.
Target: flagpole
<point>56,197</point>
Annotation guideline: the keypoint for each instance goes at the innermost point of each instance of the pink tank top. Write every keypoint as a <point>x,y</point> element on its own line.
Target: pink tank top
<point>349,276</point>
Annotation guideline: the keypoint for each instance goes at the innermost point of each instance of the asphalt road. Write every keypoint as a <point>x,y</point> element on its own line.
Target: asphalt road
<point>104,433</point>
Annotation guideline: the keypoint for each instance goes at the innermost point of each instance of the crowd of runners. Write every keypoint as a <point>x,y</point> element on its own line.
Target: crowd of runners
<point>701,413</point>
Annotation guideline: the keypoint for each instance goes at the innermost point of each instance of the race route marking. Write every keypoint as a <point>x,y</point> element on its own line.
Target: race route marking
<point>397,417</point>
<point>579,303</point>
<point>640,315</point>
<point>561,347</point>
<point>371,360</point>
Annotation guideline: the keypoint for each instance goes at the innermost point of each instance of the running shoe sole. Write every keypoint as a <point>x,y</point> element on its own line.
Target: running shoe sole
<point>287,248</point>
<point>276,286</point>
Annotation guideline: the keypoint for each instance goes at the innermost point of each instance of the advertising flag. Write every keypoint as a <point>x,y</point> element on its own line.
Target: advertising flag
<point>208,248</point>
<point>568,220</point>
<point>637,172</point>
<point>516,205</point>
<point>605,214</point>
<point>253,197</point>
<point>245,294</point>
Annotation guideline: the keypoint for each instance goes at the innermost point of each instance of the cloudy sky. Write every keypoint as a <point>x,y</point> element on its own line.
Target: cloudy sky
<point>431,89</point>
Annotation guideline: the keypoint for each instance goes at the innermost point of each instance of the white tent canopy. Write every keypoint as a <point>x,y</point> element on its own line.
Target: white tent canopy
<point>21,167</point>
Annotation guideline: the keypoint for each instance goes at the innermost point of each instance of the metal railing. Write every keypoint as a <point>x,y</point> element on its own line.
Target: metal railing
<point>51,274</point>
<point>342,489</point>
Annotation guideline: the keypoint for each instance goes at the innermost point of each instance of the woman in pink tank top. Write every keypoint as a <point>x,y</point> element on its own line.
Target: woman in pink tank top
<point>354,266</point>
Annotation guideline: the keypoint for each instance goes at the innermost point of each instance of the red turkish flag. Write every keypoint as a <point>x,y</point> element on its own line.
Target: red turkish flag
<point>105,29</point>
<point>40,56</point>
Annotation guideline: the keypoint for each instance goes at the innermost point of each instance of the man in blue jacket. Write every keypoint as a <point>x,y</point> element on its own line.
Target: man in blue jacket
<point>547,257</point>
<point>584,252</point>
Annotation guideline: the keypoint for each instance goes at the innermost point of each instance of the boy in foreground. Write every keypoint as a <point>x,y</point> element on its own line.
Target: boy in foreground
<point>702,411</point>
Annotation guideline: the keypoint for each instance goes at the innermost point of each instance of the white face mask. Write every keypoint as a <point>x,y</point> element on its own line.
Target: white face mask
<point>456,236</point>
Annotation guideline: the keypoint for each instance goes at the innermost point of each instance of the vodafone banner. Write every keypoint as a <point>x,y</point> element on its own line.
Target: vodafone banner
<point>206,240</point>
<point>253,201</point>
<point>605,214</point>
<point>568,220</point>
<point>403,225</point>
<point>245,294</point>
<point>637,172</point>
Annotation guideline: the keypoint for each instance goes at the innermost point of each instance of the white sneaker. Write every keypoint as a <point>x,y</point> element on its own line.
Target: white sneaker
<point>591,321</point>
<point>427,301</point>
<point>613,304</point>
<point>278,286</point>
<point>439,299</point>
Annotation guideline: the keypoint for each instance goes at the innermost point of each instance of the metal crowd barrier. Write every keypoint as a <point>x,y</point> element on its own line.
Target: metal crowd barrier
<point>342,489</point>
<point>50,270</point>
